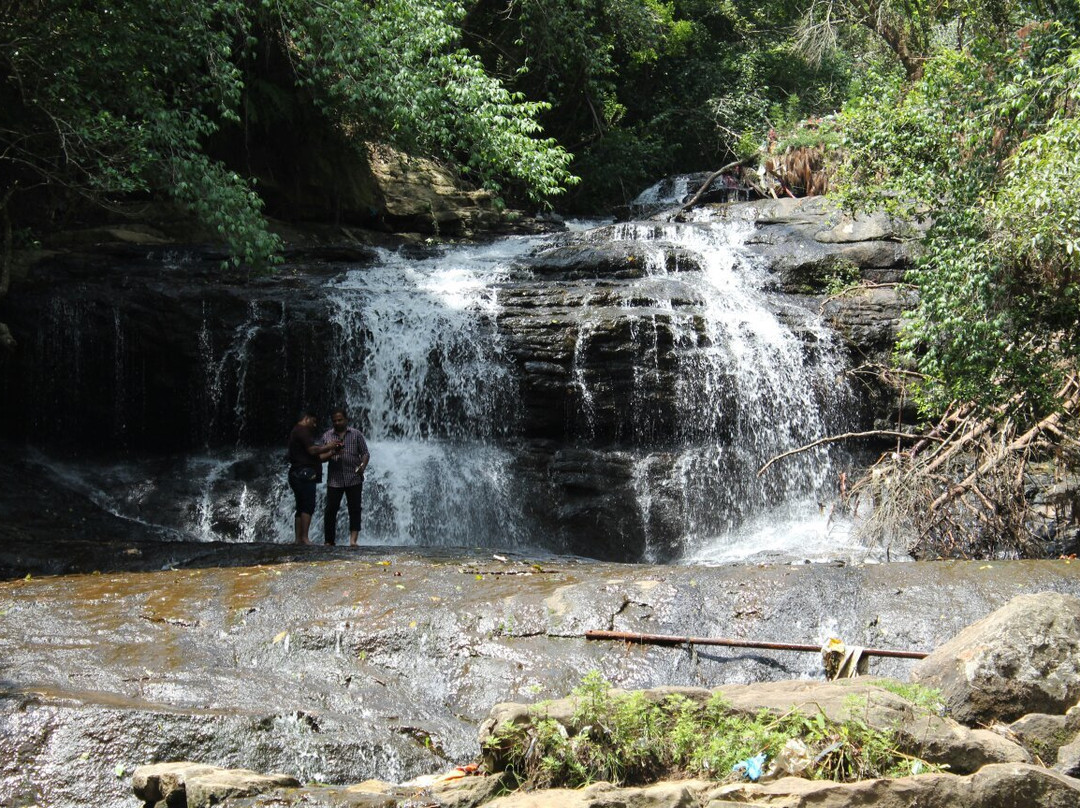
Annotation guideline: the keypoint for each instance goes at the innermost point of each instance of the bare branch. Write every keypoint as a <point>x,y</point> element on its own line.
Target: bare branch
<point>874,433</point>
<point>705,186</point>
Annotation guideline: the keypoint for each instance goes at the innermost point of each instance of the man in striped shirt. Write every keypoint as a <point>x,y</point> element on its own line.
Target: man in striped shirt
<point>344,475</point>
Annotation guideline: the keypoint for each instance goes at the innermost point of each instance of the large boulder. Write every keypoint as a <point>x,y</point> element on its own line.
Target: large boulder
<point>420,195</point>
<point>999,786</point>
<point>1023,658</point>
<point>1045,735</point>
<point>605,795</point>
<point>195,785</point>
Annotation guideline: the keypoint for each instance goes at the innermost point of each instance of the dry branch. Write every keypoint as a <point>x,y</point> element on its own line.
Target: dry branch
<point>966,498</point>
<point>873,433</point>
<point>705,186</point>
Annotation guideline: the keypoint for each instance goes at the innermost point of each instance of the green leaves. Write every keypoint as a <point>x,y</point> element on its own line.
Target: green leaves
<point>986,145</point>
<point>633,738</point>
<point>121,96</point>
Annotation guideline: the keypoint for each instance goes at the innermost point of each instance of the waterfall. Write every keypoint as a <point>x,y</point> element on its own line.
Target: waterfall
<point>511,398</point>
<point>748,387</point>
<point>427,374</point>
<point>422,368</point>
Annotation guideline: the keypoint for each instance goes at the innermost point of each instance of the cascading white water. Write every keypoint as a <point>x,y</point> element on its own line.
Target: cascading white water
<point>423,372</point>
<point>747,392</point>
<point>724,376</point>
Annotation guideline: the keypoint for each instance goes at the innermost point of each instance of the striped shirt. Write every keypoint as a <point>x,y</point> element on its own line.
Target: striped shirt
<point>341,472</point>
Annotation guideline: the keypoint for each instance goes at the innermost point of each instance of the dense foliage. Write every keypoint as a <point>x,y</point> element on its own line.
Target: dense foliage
<point>643,88</point>
<point>984,144</point>
<point>118,97</point>
<point>981,142</point>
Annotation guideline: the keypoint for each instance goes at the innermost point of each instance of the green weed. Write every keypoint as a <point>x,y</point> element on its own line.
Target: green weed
<point>636,738</point>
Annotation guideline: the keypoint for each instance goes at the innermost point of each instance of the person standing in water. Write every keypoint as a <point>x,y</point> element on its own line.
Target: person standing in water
<point>344,475</point>
<point>305,471</point>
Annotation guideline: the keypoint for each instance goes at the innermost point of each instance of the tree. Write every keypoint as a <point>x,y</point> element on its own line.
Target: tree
<point>985,145</point>
<point>113,98</point>
<point>910,29</point>
<point>643,88</point>
<point>117,97</point>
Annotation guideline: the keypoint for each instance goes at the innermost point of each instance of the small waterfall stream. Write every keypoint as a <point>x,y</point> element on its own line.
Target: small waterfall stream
<point>755,375</point>
<point>672,382</point>
<point>422,368</point>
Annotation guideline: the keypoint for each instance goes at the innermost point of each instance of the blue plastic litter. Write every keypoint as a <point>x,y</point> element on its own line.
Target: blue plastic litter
<point>751,767</point>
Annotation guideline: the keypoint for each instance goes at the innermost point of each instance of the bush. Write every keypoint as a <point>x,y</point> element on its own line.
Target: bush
<point>632,739</point>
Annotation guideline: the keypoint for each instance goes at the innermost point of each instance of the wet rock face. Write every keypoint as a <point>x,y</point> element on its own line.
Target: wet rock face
<point>137,350</point>
<point>151,350</point>
<point>338,666</point>
<point>812,246</point>
<point>155,347</point>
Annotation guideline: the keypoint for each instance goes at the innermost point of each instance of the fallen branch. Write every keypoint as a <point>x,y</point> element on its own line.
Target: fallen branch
<point>873,433</point>
<point>1020,443</point>
<point>667,639</point>
<point>705,186</point>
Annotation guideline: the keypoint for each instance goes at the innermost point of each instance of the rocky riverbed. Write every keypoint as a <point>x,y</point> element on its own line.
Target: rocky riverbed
<point>337,666</point>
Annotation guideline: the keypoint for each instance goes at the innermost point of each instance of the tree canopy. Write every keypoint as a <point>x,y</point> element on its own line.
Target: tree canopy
<point>118,96</point>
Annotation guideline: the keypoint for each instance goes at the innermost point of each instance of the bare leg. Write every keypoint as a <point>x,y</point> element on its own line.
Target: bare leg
<point>354,496</point>
<point>302,524</point>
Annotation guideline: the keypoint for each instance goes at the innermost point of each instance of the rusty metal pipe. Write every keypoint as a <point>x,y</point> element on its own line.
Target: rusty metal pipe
<point>667,639</point>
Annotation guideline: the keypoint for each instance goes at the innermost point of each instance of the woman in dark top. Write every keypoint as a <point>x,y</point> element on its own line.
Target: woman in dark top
<point>305,471</point>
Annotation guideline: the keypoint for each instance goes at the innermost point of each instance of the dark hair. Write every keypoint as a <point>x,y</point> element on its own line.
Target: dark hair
<point>337,410</point>
<point>305,412</point>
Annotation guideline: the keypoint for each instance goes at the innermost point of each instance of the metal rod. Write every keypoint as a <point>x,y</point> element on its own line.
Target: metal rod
<point>667,639</point>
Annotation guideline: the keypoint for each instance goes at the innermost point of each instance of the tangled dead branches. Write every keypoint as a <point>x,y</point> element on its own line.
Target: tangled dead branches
<point>962,491</point>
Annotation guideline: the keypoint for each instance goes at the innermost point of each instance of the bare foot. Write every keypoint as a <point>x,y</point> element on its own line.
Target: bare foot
<point>303,541</point>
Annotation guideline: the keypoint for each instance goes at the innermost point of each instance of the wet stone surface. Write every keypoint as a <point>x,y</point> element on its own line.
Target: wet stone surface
<point>336,666</point>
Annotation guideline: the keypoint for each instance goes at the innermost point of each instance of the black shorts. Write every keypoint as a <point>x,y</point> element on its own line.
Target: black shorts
<point>304,491</point>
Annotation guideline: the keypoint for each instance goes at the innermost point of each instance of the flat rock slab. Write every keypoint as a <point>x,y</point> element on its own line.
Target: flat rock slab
<point>338,666</point>
<point>998,786</point>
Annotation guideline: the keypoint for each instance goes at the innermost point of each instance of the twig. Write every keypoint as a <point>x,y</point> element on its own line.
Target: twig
<point>873,433</point>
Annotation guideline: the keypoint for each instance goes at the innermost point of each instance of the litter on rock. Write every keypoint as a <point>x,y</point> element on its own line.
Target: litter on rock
<point>751,767</point>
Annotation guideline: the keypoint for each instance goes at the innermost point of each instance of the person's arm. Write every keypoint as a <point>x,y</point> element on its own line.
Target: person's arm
<point>365,456</point>
<point>322,450</point>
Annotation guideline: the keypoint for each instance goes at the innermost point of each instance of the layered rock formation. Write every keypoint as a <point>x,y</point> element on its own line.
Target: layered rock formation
<point>156,349</point>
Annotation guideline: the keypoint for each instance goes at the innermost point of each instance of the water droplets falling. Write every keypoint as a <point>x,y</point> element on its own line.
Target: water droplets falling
<point>421,364</point>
